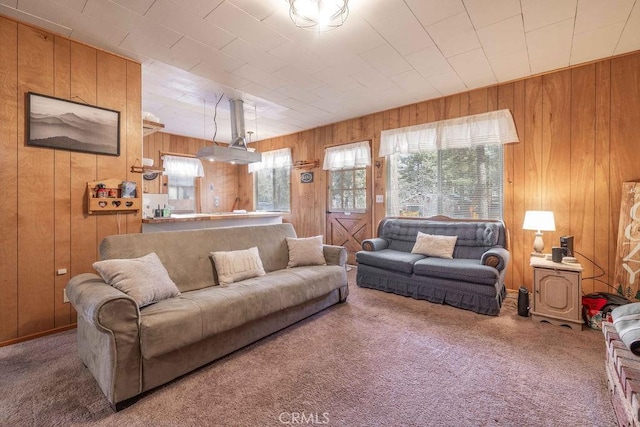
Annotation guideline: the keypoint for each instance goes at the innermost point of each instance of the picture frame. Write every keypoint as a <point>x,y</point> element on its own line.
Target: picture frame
<point>128,189</point>
<point>67,125</point>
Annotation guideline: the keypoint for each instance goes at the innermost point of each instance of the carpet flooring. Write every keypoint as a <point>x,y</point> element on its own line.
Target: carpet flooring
<point>377,360</point>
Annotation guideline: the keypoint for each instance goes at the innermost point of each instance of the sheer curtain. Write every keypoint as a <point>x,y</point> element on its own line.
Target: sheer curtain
<point>348,156</point>
<point>275,159</point>
<point>495,127</point>
<point>182,166</point>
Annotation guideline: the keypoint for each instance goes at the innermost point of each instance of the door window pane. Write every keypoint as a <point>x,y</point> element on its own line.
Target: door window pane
<point>348,190</point>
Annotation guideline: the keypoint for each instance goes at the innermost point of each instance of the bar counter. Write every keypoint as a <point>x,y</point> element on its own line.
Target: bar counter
<point>211,220</point>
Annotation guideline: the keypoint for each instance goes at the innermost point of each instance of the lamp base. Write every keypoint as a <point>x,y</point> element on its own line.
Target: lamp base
<point>538,254</point>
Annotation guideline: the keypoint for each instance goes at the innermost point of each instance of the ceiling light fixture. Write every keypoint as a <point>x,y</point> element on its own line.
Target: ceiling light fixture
<point>318,15</point>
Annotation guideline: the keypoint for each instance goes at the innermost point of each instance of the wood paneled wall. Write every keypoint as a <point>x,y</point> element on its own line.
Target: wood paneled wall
<point>43,226</point>
<point>578,132</point>
<point>221,179</point>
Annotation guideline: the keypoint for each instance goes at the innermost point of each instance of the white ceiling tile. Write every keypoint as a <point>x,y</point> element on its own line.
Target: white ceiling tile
<point>76,5</point>
<point>298,94</point>
<point>238,22</point>
<point>255,74</point>
<point>169,14</point>
<point>503,38</point>
<point>550,47</point>
<point>261,91</point>
<point>540,13</point>
<point>594,14</point>
<point>10,5</point>
<point>447,84</point>
<point>386,60</point>
<point>595,44</point>
<point>473,68</point>
<point>259,9</point>
<point>358,35</point>
<point>454,35</point>
<point>429,62</point>
<point>117,16</point>
<point>431,11</point>
<point>137,6</point>
<point>297,77</point>
<point>374,11</point>
<point>34,20</point>
<point>511,66</point>
<point>372,79</point>
<point>411,80</point>
<point>404,32</point>
<point>484,13</point>
<point>221,77</point>
<point>205,53</point>
<point>199,8</point>
<point>243,51</point>
<point>177,59</point>
<point>337,79</point>
<point>292,53</point>
<point>630,38</point>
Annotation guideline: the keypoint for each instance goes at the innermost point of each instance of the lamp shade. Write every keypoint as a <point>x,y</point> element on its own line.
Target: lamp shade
<point>539,221</point>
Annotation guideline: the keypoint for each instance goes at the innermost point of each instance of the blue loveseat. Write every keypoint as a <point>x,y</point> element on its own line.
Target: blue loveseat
<point>473,279</point>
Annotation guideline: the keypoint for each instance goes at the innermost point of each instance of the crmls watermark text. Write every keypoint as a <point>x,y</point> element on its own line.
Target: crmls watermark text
<point>298,418</point>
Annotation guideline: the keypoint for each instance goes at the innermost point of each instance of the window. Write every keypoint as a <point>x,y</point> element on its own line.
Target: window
<point>182,175</point>
<point>348,190</point>
<point>273,189</point>
<point>182,194</point>
<point>272,181</point>
<point>451,167</point>
<point>457,182</point>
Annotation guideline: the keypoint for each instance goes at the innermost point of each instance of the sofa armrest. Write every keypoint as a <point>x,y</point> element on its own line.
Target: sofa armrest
<point>375,244</point>
<point>108,336</point>
<point>335,255</point>
<point>94,300</point>
<point>496,257</point>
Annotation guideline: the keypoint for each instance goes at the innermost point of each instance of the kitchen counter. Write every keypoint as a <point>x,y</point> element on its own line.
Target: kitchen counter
<point>210,220</point>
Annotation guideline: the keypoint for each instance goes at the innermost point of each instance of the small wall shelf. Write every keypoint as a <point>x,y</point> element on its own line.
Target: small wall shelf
<point>112,202</point>
<point>149,127</point>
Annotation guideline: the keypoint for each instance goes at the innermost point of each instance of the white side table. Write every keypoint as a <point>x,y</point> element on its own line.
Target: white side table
<point>557,293</point>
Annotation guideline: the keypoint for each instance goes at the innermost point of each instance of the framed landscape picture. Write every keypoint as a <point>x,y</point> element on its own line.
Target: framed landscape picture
<point>58,123</point>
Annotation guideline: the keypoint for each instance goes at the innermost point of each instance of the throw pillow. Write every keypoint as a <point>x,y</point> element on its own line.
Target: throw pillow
<point>144,279</point>
<point>435,246</point>
<point>233,266</point>
<point>305,251</point>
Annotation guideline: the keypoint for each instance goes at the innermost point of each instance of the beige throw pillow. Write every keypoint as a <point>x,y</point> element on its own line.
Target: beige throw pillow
<point>305,251</point>
<point>144,279</point>
<point>435,246</point>
<point>233,266</point>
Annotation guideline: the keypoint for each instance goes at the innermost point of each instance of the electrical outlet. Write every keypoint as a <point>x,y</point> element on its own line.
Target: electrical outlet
<point>379,198</point>
<point>64,296</point>
<point>216,201</point>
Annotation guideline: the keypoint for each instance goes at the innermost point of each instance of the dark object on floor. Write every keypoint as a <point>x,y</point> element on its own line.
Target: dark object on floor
<point>597,307</point>
<point>523,302</point>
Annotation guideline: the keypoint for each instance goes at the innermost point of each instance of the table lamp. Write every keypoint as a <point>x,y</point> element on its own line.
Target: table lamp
<point>539,221</point>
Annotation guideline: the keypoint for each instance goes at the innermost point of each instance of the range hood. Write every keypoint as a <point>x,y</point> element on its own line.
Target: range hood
<point>236,152</point>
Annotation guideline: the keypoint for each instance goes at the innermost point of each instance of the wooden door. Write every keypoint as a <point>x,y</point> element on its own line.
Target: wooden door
<point>348,230</point>
<point>349,209</point>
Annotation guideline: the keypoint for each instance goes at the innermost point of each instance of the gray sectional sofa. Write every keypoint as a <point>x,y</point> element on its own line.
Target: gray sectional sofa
<point>130,349</point>
<point>473,279</point>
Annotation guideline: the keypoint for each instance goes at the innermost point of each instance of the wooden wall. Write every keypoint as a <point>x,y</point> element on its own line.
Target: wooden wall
<point>578,132</point>
<point>43,227</point>
<point>221,179</point>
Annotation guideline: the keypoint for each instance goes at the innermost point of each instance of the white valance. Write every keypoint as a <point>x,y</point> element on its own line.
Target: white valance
<point>182,166</point>
<point>495,127</point>
<point>348,156</point>
<point>275,159</point>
